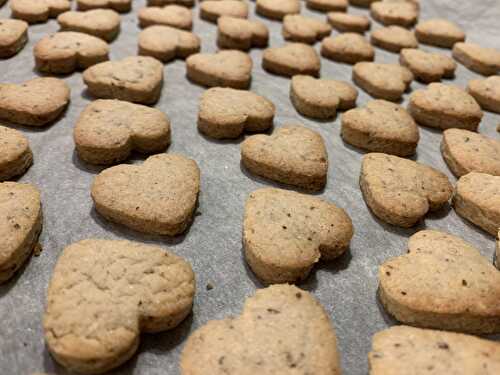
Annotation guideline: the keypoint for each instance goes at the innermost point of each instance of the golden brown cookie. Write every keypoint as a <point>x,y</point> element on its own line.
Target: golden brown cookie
<point>120,6</point>
<point>15,153</point>
<point>482,60</point>
<point>292,59</point>
<point>102,23</point>
<point>327,5</point>
<point>393,38</point>
<point>439,32</point>
<point>427,66</point>
<point>298,28</point>
<point>277,9</point>
<point>348,48</point>
<point>211,10</point>
<point>345,22</point>
<point>402,13</point>
<point>486,92</point>
<point>33,11</point>
<point>13,37</point>
<point>238,33</point>
<point>170,15</point>
<point>166,43</point>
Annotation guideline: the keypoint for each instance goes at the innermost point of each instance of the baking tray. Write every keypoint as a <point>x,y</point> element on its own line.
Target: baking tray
<point>346,287</point>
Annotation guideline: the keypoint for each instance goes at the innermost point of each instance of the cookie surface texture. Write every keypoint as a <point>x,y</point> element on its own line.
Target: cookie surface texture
<point>102,23</point>
<point>277,9</point>
<point>292,59</point>
<point>486,92</point>
<point>345,22</point>
<point>427,66</point>
<point>33,11</point>
<point>393,38</point>
<point>242,34</point>
<point>348,48</point>
<point>394,13</point>
<point>15,154</point>
<point>439,32</point>
<point>482,60</point>
<point>298,28</point>
<point>170,15</point>
<point>211,10</point>
<point>166,43</point>
<point>13,37</point>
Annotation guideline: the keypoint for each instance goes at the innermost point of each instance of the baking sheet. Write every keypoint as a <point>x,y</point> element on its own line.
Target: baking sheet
<point>346,287</point>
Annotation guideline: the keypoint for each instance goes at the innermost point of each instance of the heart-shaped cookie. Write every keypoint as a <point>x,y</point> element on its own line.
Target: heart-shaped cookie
<point>285,233</point>
<point>33,11</point>
<point>482,60</point>
<point>400,191</point>
<point>227,113</point>
<point>486,92</point>
<point>13,37</point>
<point>443,282</point>
<point>439,32</point>
<point>15,154</point>
<point>292,155</point>
<point>211,10</point>
<point>292,59</point>
<point>67,51</point>
<point>238,33</point>
<point>102,23</point>
<point>120,6</point>
<point>170,15</point>
<point>229,68</point>
<point>393,38</point>
<point>348,48</point>
<point>136,79</point>
<point>36,102</point>
<point>104,293</point>
<point>277,9</point>
<point>282,330</point>
<point>20,225</point>
<point>298,28</point>
<point>327,5</point>
<point>403,13</point>
<point>427,66</point>
<point>157,197</point>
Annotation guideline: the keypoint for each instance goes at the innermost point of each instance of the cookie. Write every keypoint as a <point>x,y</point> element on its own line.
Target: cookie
<point>465,151</point>
<point>170,15</point>
<point>104,293</point>
<point>277,9</point>
<point>67,51</point>
<point>135,79</point>
<point>445,106</point>
<point>320,98</point>
<point>442,282</point>
<point>238,33</point>
<point>36,102</point>
<point>485,61</point>
<point>348,48</point>
<point>439,32</point>
<point>285,233</point>
<point>344,22</point>
<point>102,23</point>
<point>292,155</point>
<point>297,28</point>
<point>186,3</point>
<point>227,113</point>
<point>13,37</point>
<point>393,38</point>
<point>230,68</point>
<point>327,5</point>
<point>402,13</point>
<point>33,11</point>
<point>166,43</point>
<point>282,329</point>
<point>398,349</point>
<point>361,3</point>
<point>15,154</point>
<point>427,66</point>
<point>400,191</point>
<point>381,126</point>
<point>121,6</point>
<point>108,130</point>
<point>497,251</point>
<point>477,199</point>
<point>211,10</point>
<point>292,59</point>
<point>486,92</point>
<point>382,81</point>
<point>157,197</point>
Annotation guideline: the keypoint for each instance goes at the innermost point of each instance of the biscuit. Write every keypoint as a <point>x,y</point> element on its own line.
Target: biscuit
<point>229,68</point>
<point>320,98</point>
<point>108,130</point>
<point>121,6</point>
<point>166,43</point>
<point>159,3</point>
<point>102,23</point>
<point>477,199</point>
<point>327,5</point>
<point>348,48</point>
<point>15,154</point>
<point>445,106</point>
<point>277,9</point>
<point>381,126</point>
<point>211,10</point>
<point>361,3</point>
<point>393,38</point>
<point>36,102</point>
<point>67,51</point>
<point>402,13</point>
<point>398,349</point>
<point>13,37</point>
<point>497,251</point>
<point>442,282</point>
<point>170,15</point>
<point>33,11</point>
<point>104,293</point>
<point>281,330</point>
<point>292,59</point>
<point>439,32</point>
<point>292,155</point>
<point>157,197</point>
<point>135,79</point>
<point>427,66</point>
<point>297,28</point>
<point>486,92</point>
<point>285,233</point>
<point>465,151</point>
<point>485,61</point>
<point>344,22</point>
<point>238,33</point>
<point>227,113</point>
<point>400,191</point>
<point>382,81</point>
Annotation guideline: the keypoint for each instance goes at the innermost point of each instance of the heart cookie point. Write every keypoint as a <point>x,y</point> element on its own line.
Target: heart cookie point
<point>15,154</point>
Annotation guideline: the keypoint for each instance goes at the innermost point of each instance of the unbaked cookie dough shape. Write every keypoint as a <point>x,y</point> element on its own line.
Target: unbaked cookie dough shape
<point>298,28</point>
<point>33,11</point>
<point>277,9</point>
<point>293,155</point>
<point>486,92</point>
<point>107,131</point>
<point>400,191</point>
<point>427,66</point>
<point>482,60</point>
<point>281,329</point>
<point>212,10</point>
<point>20,225</point>
<point>285,233</point>
<point>169,15</point>
<point>242,34</point>
<point>13,37</point>
<point>121,6</point>
<point>439,32</point>
<point>292,59</point>
<point>101,23</point>
<point>443,282</point>
<point>104,293</point>
<point>15,153</point>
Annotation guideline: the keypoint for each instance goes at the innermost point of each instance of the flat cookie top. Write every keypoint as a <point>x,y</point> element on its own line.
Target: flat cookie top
<point>68,43</point>
<point>488,88</point>
<point>400,12</point>
<point>487,56</point>
<point>306,29</point>
<point>240,29</point>
<point>36,8</point>
<point>13,145</point>
<point>350,43</point>
<point>160,38</point>
<point>233,8</point>
<point>395,35</point>
<point>231,64</point>
<point>347,19</point>
<point>482,189</point>
<point>438,27</point>
<point>11,31</point>
<point>299,56</point>
<point>387,76</point>
<point>96,19</point>
<point>324,92</point>
<point>282,7</point>
<point>170,15</point>
<point>424,62</point>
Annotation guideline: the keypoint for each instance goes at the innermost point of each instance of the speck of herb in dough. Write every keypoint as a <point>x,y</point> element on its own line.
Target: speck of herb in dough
<point>443,345</point>
<point>464,282</point>
<point>273,311</point>
<point>37,250</point>
<point>403,293</point>
<point>209,286</point>
<point>298,295</point>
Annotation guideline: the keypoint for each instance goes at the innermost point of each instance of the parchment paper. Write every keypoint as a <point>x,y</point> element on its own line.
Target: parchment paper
<point>346,287</point>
